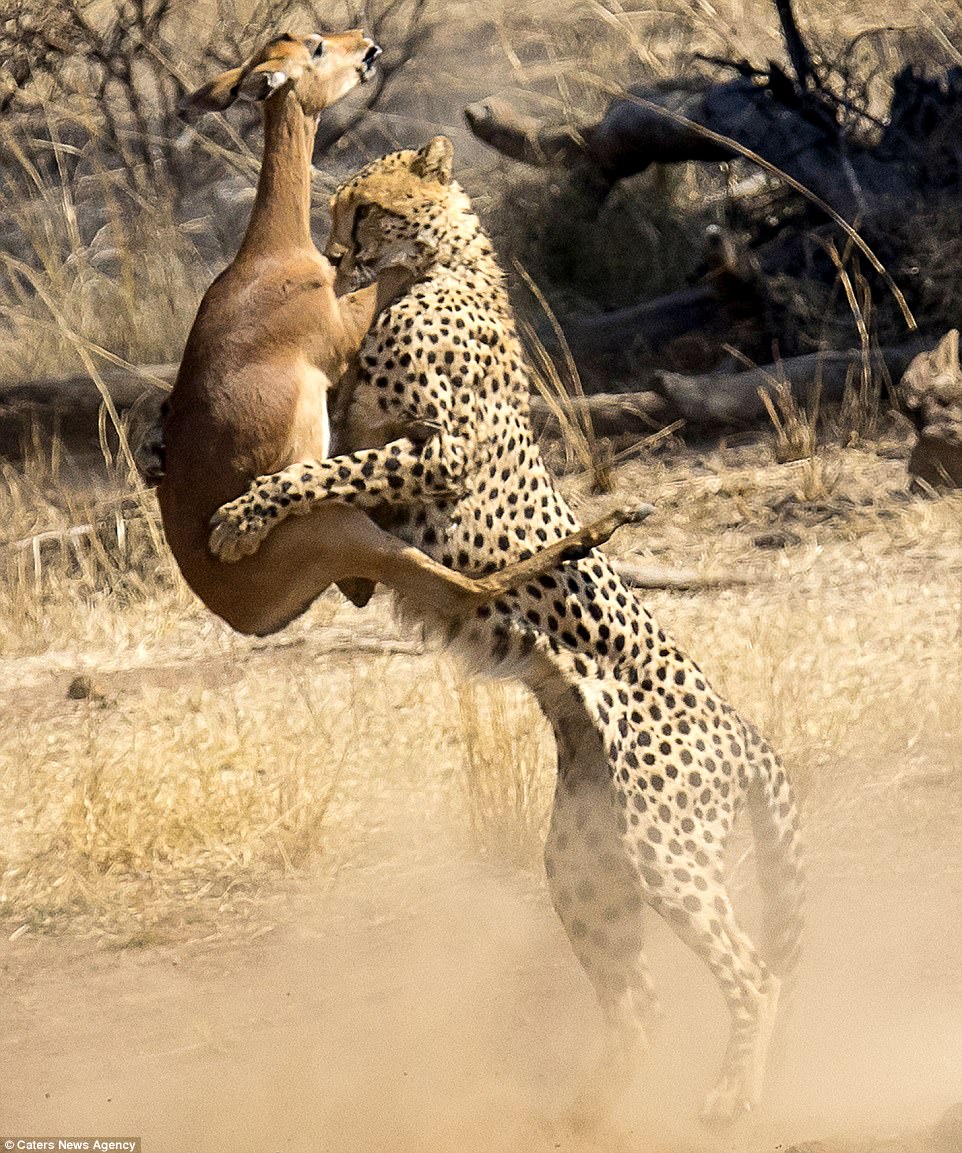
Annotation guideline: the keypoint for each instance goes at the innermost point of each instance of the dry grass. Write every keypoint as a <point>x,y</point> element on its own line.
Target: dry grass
<point>795,426</point>
<point>135,809</point>
<point>204,768</point>
<point>71,546</point>
<point>178,779</point>
<point>507,773</point>
<point>118,257</point>
<point>132,289</point>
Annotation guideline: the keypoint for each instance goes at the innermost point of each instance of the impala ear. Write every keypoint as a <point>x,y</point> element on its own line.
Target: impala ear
<point>435,161</point>
<point>263,81</point>
<point>214,96</point>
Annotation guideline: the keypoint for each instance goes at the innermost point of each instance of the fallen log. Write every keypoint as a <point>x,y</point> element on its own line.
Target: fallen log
<point>672,123</point>
<point>790,123</point>
<point>607,340</point>
<point>725,399</point>
<point>611,414</point>
<point>125,385</point>
<point>729,306</point>
<point>732,398</point>
<point>680,123</point>
<point>69,406</point>
<point>840,164</point>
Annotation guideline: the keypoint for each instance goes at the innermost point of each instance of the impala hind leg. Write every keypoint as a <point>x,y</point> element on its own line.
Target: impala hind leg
<point>241,527</point>
<point>335,544</point>
<point>462,594</point>
<point>573,547</point>
<point>338,543</point>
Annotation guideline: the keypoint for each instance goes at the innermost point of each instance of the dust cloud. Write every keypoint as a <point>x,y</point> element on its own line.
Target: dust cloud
<point>434,1006</point>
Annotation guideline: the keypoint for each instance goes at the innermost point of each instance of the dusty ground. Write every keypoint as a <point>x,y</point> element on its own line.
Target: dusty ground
<point>406,986</point>
<point>461,1026</point>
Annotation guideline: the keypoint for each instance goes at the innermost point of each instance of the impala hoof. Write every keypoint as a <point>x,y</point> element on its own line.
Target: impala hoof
<point>636,514</point>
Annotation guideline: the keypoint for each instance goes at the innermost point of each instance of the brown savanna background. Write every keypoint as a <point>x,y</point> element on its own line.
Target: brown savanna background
<point>287,894</point>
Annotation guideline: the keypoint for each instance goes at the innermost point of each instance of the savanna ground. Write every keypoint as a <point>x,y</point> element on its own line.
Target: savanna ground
<point>287,894</point>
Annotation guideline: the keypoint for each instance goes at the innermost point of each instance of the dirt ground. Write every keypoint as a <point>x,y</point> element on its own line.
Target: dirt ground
<point>461,1025</point>
<point>422,996</point>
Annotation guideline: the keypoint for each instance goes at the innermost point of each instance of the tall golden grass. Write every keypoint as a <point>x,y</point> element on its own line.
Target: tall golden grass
<point>199,768</point>
<point>132,286</point>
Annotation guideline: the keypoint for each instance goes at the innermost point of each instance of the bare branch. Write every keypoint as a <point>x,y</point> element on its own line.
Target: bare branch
<point>798,52</point>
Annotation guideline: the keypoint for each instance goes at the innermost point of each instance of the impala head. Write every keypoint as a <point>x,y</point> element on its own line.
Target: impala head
<point>318,70</point>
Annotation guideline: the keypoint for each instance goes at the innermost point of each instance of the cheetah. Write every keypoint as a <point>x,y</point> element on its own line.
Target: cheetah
<point>652,764</point>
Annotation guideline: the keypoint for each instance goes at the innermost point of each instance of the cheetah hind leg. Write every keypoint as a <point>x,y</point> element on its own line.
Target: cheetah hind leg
<point>739,1088</point>
<point>593,882</point>
<point>630,1021</point>
<point>751,993</point>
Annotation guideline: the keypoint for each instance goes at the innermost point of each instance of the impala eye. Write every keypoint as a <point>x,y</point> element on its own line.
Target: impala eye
<point>319,50</point>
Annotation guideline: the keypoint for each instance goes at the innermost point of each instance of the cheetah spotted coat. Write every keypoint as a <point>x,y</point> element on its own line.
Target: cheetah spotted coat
<point>652,764</point>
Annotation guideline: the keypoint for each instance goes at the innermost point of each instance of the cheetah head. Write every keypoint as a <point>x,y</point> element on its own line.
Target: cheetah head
<point>403,213</point>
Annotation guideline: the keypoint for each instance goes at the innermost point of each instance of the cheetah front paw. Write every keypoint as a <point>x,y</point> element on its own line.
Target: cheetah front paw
<point>239,528</point>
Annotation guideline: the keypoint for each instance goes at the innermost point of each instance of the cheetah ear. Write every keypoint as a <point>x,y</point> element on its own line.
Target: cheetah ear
<point>435,161</point>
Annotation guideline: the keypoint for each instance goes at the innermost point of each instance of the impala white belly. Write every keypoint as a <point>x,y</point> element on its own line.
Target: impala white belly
<point>311,431</point>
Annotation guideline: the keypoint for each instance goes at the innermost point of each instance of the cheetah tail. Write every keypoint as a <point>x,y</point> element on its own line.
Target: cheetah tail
<point>778,853</point>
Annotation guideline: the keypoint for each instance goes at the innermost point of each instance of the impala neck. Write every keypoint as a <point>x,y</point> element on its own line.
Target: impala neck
<point>281,217</point>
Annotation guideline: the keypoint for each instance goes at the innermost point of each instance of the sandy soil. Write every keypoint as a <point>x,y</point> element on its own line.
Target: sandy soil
<point>437,1008</point>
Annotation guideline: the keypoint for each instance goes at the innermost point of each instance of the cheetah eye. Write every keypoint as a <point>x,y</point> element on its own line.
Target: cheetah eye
<point>361,213</point>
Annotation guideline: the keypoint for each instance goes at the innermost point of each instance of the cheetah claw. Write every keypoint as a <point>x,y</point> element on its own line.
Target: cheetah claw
<point>237,531</point>
<point>420,431</point>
